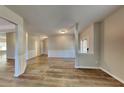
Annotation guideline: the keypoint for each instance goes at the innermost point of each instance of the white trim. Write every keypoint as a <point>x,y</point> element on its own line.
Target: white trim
<point>86,67</point>
<point>22,72</point>
<point>6,27</point>
<point>62,57</point>
<point>17,75</point>
<point>117,78</point>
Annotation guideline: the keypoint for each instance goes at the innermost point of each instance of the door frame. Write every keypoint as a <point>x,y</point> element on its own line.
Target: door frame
<point>20,51</point>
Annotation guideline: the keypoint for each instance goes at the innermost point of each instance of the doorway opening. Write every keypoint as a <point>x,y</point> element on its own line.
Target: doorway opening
<point>7,47</point>
<point>44,47</point>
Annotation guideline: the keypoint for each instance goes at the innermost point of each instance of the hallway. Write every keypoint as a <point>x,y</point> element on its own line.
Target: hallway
<point>55,72</point>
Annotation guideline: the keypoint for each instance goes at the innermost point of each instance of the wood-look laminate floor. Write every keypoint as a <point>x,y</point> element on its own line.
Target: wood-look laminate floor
<point>42,72</point>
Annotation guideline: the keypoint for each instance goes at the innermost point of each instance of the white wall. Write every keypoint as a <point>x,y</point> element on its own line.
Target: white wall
<point>88,34</point>
<point>41,47</point>
<point>112,44</point>
<point>26,45</point>
<point>61,46</point>
<point>3,47</point>
<point>11,40</point>
<point>20,60</point>
<point>45,46</point>
<point>34,46</point>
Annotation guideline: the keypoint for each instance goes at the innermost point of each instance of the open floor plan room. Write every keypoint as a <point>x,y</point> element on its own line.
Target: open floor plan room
<point>62,46</point>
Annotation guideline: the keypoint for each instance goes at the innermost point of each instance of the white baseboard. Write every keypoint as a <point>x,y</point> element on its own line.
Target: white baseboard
<point>62,57</point>
<point>17,75</point>
<point>86,67</point>
<point>117,78</point>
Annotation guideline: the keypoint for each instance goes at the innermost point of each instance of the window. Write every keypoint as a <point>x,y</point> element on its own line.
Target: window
<point>84,46</point>
<point>2,45</point>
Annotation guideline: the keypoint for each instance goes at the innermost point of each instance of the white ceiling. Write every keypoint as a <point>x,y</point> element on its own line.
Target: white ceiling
<point>49,19</point>
<point>6,26</point>
<point>4,22</point>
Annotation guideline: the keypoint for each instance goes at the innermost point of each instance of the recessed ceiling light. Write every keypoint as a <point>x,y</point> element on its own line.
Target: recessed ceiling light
<point>63,31</point>
<point>43,37</point>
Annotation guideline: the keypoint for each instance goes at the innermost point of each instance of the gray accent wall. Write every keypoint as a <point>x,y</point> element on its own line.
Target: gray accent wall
<point>112,44</point>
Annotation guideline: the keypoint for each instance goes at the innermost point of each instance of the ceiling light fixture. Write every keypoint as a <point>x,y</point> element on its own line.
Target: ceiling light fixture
<point>63,31</point>
<point>42,37</point>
